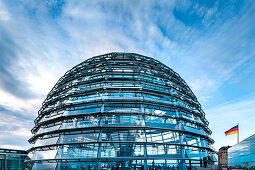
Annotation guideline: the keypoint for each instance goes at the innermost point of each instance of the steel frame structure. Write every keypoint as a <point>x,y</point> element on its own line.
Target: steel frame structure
<point>120,110</point>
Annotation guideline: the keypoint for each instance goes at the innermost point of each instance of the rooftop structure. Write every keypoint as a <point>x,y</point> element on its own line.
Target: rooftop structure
<point>242,155</point>
<point>12,159</point>
<point>223,156</point>
<point>120,110</point>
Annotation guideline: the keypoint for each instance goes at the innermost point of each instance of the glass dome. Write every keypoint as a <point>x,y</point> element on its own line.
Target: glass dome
<point>120,110</point>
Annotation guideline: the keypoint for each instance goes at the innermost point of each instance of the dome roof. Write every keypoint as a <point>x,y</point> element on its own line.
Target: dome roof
<point>120,110</point>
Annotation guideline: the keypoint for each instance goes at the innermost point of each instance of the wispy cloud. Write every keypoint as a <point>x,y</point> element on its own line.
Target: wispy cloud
<point>225,116</point>
<point>4,14</point>
<point>10,81</point>
<point>15,128</point>
<point>209,43</point>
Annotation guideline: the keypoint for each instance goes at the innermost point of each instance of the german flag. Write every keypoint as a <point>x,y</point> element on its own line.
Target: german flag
<point>231,131</point>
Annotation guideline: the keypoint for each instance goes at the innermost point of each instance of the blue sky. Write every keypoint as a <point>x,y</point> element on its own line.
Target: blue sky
<point>211,44</point>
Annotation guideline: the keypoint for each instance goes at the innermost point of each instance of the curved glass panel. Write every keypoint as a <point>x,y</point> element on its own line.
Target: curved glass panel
<point>123,135</point>
<point>41,154</point>
<point>43,166</point>
<point>47,141</point>
<point>47,129</point>
<point>125,120</point>
<point>87,121</point>
<point>77,165</point>
<point>120,111</point>
<point>159,136</point>
<point>78,151</point>
<point>162,122</point>
<point>121,150</point>
<point>159,150</point>
<point>79,138</point>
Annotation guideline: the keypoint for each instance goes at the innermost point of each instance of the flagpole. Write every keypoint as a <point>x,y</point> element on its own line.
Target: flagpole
<point>238,133</point>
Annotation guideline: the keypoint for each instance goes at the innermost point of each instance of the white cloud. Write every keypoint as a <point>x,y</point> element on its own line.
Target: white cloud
<point>16,104</point>
<point>12,147</point>
<point>227,115</point>
<point>4,14</point>
<point>15,129</point>
<point>48,47</point>
<point>22,132</point>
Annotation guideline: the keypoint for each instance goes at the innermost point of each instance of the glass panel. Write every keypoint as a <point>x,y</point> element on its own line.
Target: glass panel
<point>162,164</point>
<point>47,129</point>
<point>47,141</point>
<point>195,141</point>
<point>79,138</point>
<point>49,154</point>
<point>123,108</point>
<point>83,111</point>
<point>135,164</point>
<point>122,95</point>
<point>87,98</point>
<point>78,151</point>
<point>123,135</point>
<point>157,164</point>
<point>162,136</point>
<point>195,153</point>
<point>117,120</point>
<point>121,150</point>
<point>155,111</point>
<point>160,122</point>
<point>49,117</point>
<point>30,155</point>
<point>77,166</point>
<point>87,121</point>
<point>157,150</point>
<point>194,130</point>
<point>44,166</point>
<point>154,136</point>
<point>171,137</point>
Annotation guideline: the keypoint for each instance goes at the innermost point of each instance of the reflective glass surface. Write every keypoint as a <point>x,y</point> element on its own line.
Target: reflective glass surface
<point>242,155</point>
<point>12,159</point>
<point>121,150</point>
<point>120,111</point>
<point>78,151</point>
